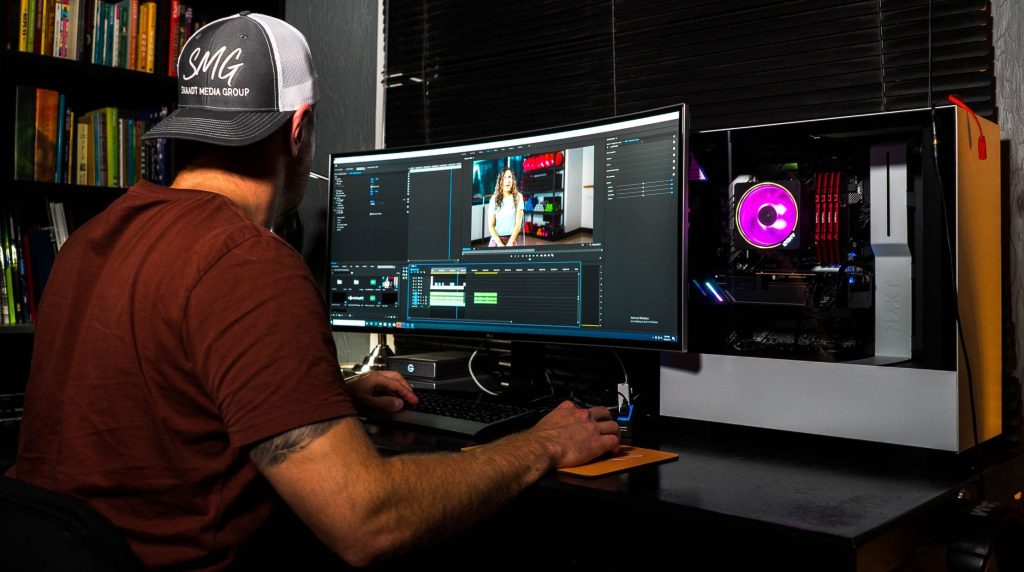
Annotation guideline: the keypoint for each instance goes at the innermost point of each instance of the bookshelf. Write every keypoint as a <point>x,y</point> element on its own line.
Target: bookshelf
<point>86,86</point>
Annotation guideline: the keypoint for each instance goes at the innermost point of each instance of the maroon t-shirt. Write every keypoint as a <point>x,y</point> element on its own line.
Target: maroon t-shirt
<point>174,334</point>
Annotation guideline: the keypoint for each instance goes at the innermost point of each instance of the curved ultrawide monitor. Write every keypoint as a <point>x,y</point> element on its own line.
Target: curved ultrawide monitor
<point>570,235</point>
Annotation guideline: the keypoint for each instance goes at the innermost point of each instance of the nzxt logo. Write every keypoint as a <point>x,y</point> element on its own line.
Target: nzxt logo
<point>893,306</point>
<point>216,63</point>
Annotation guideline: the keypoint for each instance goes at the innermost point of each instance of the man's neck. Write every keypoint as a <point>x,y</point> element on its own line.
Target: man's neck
<point>256,197</point>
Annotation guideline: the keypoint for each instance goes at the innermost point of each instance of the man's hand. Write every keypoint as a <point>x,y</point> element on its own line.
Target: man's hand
<point>380,392</point>
<point>574,436</point>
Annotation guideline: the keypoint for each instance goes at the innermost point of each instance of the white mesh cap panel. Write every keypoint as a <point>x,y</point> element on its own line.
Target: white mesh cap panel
<point>296,74</point>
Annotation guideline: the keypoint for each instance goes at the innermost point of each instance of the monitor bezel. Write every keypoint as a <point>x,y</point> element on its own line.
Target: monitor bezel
<point>681,224</point>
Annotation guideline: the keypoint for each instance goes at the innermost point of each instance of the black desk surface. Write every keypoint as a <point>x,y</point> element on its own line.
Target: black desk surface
<point>825,498</point>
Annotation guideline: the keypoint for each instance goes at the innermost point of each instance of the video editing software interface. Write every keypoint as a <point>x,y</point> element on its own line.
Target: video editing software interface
<point>585,244</point>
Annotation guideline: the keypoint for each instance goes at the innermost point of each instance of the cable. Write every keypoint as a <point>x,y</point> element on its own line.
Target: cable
<point>625,375</point>
<point>982,147</point>
<point>469,367</point>
<point>313,175</point>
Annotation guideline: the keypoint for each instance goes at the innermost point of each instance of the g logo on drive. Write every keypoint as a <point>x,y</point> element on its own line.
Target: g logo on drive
<point>410,368</point>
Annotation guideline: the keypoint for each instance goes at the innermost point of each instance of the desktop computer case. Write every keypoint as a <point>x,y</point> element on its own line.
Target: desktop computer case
<point>927,408</point>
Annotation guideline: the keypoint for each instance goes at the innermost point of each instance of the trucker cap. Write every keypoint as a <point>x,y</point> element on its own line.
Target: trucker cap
<point>239,79</point>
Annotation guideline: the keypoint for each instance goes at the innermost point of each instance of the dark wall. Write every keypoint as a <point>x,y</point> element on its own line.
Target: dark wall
<point>343,39</point>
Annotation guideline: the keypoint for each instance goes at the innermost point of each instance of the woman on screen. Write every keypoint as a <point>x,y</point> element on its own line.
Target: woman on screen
<point>506,219</point>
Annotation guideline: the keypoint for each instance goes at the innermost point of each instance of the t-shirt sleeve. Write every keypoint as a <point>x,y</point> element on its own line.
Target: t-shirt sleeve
<point>256,330</point>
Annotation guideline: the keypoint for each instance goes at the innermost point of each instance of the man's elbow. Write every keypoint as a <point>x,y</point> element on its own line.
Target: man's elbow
<point>365,550</point>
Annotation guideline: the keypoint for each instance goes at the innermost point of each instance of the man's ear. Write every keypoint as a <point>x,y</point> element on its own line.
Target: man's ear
<point>296,133</point>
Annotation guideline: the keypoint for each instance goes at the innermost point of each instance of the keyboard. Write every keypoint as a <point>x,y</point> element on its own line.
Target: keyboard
<point>466,416</point>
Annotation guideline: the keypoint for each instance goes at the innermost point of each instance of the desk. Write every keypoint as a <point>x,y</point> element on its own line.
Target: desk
<point>735,499</point>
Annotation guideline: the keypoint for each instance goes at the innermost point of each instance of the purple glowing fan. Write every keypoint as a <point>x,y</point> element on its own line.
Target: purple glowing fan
<point>766,215</point>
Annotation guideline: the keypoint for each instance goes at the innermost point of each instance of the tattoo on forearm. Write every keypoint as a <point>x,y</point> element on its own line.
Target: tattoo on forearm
<point>275,450</point>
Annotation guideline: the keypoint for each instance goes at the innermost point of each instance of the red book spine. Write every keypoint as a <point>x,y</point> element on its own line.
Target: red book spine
<point>172,52</point>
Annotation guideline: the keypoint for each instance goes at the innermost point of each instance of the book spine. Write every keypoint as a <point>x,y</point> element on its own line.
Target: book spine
<point>74,26</point>
<point>112,148</point>
<point>40,31</point>
<point>47,26</point>
<point>174,47</point>
<point>82,155</point>
<point>121,153</point>
<point>21,283</point>
<point>55,39</point>
<point>115,58</point>
<point>65,29</point>
<point>29,266</point>
<point>143,36</point>
<point>151,39</point>
<point>108,34</point>
<point>58,166</point>
<point>123,40</point>
<point>95,37</point>
<point>4,317</point>
<point>12,317</point>
<point>30,27</point>
<point>99,129</point>
<point>130,151</point>
<point>69,146</point>
<point>133,35</point>
<point>47,102</point>
<point>23,25</point>
<point>24,133</point>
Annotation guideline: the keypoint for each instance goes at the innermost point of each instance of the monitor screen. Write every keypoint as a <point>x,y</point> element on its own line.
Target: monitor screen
<point>568,235</point>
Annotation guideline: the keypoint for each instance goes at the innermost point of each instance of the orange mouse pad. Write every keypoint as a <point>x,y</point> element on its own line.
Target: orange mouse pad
<point>622,460</point>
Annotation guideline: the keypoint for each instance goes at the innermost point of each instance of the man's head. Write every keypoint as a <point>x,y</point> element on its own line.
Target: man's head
<point>246,88</point>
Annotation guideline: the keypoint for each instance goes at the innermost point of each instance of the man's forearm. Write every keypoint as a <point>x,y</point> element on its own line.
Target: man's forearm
<point>431,497</point>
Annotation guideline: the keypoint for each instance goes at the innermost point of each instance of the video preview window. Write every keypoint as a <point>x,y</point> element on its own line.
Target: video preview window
<point>541,199</point>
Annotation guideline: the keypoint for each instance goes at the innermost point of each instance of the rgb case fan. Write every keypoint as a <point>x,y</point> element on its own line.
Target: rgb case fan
<point>768,214</point>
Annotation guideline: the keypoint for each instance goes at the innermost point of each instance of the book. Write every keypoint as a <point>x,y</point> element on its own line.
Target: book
<point>133,35</point>
<point>61,16</point>
<point>24,133</point>
<point>99,140</point>
<point>37,38</point>
<point>82,157</point>
<point>175,38</point>
<point>124,13</point>
<point>47,102</point>
<point>151,38</point>
<point>18,267</point>
<point>113,148</point>
<point>122,151</point>
<point>29,278</point>
<point>48,27</point>
<point>97,31</point>
<point>58,174</point>
<point>75,20</point>
<point>115,20</point>
<point>59,221</point>
<point>143,43</point>
<point>5,317</point>
<point>30,31</point>
<point>10,270</point>
<point>69,146</point>
<point>41,250</point>
<point>24,43</point>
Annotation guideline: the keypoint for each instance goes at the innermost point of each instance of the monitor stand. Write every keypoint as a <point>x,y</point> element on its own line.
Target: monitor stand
<point>529,363</point>
<point>378,358</point>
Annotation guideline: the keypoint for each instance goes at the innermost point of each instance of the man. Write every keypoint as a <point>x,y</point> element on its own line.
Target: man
<point>182,359</point>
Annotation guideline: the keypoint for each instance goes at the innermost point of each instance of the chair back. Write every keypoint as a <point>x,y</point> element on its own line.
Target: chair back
<point>45,531</point>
